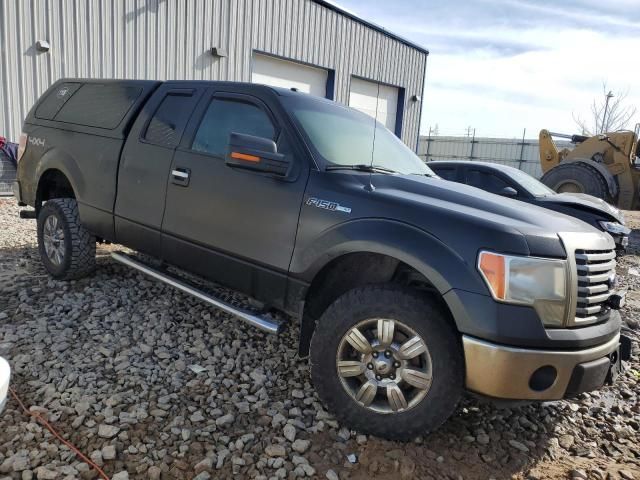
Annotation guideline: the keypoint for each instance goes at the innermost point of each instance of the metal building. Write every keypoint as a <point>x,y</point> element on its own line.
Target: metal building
<point>310,45</point>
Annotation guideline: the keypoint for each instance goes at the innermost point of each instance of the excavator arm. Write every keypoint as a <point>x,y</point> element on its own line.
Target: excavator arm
<point>550,156</point>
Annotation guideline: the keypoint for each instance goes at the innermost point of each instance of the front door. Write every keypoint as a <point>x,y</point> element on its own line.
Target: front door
<point>236,227</point>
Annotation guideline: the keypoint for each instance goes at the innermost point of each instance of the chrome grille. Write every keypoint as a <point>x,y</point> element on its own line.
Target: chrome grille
<point>596,270</point>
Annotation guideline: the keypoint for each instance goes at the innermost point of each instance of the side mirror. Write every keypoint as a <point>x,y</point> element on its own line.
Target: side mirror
<point>508,192</point>
<point>257,154</point>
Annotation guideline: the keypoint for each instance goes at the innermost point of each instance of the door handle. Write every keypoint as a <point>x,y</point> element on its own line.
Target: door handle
<point>180,176</point>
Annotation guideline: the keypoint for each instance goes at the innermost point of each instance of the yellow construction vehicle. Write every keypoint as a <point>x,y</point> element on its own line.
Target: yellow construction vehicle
<point>605,166</point>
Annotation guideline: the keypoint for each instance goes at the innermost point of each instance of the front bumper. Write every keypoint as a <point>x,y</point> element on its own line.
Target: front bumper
<point>532,374</point>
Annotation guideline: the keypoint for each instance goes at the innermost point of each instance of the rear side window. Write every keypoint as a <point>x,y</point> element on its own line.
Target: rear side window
<point>101,106</point>
<point>486,181</point>
<point>224,117</point>
<point>448,173</point>
<point>170,119</point>
<point>54,101</point>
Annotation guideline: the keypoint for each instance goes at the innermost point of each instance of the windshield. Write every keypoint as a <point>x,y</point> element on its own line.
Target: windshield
<point>343,137</point>
<point>533,186</point>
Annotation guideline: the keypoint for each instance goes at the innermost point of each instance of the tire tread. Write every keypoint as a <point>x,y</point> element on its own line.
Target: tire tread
<point>83,244</point>
<point>439,405</point>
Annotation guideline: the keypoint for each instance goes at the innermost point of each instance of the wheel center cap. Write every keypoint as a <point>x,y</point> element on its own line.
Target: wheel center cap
<point>382,365</point>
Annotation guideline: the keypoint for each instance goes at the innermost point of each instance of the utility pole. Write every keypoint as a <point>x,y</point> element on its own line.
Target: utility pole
<point>609,96</point>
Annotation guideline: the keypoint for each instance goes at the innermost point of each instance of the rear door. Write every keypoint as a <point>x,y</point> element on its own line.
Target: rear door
<point>145,163</point>
<point>236,227</point>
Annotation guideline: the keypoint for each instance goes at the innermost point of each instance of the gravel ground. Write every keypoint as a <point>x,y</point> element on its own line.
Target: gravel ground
<point>153,384</point>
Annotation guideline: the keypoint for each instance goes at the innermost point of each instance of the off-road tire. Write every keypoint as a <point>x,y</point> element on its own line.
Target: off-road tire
<point>587,178</point>
<point>428,319</point>
<point>79,258</point>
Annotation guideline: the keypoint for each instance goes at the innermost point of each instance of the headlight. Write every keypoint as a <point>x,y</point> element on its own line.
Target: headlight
<point>539,282</point>
<point>614,228</point>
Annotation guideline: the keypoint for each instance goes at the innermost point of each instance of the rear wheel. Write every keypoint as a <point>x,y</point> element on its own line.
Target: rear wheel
<point>66,248</point>
<point>576,177</point>
<point>388,362</point>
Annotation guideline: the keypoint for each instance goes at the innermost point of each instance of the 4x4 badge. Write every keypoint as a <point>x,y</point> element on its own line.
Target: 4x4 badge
<point>327,205</point>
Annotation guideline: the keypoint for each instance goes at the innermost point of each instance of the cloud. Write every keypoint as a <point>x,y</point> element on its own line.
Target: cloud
<point>501,66</point>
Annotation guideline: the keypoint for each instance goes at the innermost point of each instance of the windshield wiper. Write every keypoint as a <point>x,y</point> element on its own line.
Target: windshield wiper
<point>361,168</point>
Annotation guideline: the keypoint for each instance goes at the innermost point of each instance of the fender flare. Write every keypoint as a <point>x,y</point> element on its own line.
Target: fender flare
<point>56,159</point>
<point>612,185</point>
<point>439,264</point>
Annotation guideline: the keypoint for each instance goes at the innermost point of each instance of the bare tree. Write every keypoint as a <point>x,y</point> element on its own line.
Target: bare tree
<point>607,113</point>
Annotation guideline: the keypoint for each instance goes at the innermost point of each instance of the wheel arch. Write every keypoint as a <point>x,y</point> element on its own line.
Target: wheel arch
<point>400,254</point>
<point>57,173</point>
<point>53,183</point>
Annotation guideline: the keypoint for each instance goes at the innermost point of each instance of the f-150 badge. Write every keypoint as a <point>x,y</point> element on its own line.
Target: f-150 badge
<point>327,205</point>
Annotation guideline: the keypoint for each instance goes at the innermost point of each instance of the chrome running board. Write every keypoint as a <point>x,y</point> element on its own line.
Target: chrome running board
<point>264,324</point>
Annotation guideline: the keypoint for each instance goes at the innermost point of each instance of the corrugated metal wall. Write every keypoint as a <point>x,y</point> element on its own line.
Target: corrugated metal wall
<point>519,153</point>
<point>171,39</point>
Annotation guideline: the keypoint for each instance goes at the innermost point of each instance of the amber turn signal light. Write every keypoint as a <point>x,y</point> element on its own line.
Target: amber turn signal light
<point>493,268</point>
<point>245,157</point>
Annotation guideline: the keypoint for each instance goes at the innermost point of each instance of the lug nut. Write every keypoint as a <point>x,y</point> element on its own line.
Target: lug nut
<point>370,366</point>
<point>387,354</point>
<point>378,377</point>
<point>396,364</point>
<point>392,376</point>
<point>375,354</point>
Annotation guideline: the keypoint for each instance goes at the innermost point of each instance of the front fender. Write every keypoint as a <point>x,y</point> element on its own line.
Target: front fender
<point>442,266</point>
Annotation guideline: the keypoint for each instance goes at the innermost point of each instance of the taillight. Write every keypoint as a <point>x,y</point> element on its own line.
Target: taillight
<point>22,146</point>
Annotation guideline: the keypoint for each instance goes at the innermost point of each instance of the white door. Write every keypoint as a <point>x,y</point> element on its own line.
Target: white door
<point>287,74</point>
<point>376,100</point>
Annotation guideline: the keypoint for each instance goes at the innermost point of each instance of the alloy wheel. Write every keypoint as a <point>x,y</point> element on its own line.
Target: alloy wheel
<point>53,239</point>
<point>384,365</point>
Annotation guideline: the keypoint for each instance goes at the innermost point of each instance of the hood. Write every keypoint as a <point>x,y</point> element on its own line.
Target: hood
<point>585,202</point>
<point>453,211</point>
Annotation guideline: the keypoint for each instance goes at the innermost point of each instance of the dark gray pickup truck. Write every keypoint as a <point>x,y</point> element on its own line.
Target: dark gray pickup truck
<point>406,289</point>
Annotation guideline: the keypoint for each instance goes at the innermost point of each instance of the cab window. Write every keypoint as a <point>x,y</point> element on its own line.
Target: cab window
<point>170,119</point>
<point>486,181</point>
<point>225,116</point>
<point>448,173</point>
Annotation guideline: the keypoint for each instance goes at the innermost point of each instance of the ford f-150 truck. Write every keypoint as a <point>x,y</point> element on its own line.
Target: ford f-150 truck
<point>406,289</point>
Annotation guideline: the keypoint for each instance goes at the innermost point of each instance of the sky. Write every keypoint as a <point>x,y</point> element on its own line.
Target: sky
<point>501,66</point>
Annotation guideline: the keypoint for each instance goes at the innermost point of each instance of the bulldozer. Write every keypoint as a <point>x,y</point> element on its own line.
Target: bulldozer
<point>605,166</point>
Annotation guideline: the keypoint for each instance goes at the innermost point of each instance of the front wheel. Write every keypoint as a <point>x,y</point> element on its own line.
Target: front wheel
<point>67,249</point>
<point>577,177</point>
<point>388,362</point>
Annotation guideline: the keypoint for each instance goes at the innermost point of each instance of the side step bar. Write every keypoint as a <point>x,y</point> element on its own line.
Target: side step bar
<point>28,214</point>
<point>264,324</point>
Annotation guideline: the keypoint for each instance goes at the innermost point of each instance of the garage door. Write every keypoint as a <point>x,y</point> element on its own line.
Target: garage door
<point>283,73</point>
<point>376,100</point>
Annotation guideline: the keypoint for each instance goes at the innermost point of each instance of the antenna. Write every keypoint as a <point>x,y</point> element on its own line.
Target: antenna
<point>370,186</point>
